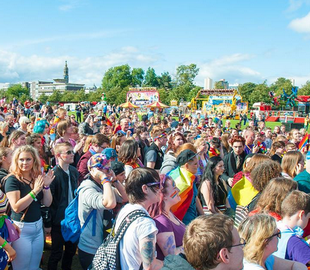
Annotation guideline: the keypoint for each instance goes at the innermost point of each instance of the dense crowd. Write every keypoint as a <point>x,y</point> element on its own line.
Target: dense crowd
<point>208,196</point>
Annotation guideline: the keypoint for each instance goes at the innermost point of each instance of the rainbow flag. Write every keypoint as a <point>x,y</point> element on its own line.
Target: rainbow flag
<point>184,180</point>
<point>213,152</point>
<point>304,141</point>
<point>242,192</point>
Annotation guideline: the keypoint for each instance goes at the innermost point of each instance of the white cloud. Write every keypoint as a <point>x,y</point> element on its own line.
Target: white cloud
<point>67,37</point>
<point>18,68</point>
<point>71,4</point>
<point>297,4</point>
<point>230,68</point>
<point>301,25</point>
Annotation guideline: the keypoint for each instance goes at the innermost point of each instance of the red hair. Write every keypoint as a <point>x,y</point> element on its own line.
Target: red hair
<point>237,139</point>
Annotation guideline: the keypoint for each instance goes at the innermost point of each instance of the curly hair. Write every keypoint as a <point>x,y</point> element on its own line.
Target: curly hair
<point>274,194</point>
<point>263,173</point>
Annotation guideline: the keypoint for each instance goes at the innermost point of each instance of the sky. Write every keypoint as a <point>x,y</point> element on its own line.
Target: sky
<point>240,41</point>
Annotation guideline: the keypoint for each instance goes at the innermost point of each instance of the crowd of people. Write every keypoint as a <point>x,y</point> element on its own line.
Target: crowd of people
<point>213,196</point>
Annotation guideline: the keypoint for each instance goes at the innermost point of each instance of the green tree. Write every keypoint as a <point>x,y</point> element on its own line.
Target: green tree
<point>119,76</point>
<point>180,92</point>
<point>95,95</point>
<point>43,98</point>
<point>280,84</point>
<point>68,96</point>
<point>55,97</point>
<point>186,74</point>
<point>304,89</point>
<point>246,90</point>
<point>260,94</point>
<point>80,95</point>
<point>164,96</point>
<point>165,81</point>
<point>193,93</point>
<point>150,79</point>
<point>137,75</point>
<point>17,91</point>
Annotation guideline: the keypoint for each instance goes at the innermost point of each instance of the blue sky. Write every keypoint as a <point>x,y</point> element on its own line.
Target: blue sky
<point>237,40</point>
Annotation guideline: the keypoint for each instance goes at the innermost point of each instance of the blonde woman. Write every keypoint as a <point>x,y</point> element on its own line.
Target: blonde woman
<point>16,139</point>
<point>292,164</point>
<point>4,128</point>
<point>26,188</point>
<point>260,235</point>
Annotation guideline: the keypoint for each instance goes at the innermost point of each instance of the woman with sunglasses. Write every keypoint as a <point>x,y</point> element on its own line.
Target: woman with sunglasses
<point>26,188</point>
<point>97,194</point>
<point>260,234</point>
<point>169,239</point>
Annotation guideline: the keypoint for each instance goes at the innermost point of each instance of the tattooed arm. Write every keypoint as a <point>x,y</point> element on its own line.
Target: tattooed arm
<point>147,251</point>
<point>166,242</point>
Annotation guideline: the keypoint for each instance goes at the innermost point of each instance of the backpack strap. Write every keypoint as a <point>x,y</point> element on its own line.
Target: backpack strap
<point>126,222</point>
<point>93,214</point>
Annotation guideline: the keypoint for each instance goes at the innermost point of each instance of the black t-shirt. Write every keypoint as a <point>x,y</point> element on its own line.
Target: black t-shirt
<point>275,157</point>
<point>34,210</point>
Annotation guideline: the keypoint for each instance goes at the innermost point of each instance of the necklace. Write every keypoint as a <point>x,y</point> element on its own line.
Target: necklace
<point>27,180</point>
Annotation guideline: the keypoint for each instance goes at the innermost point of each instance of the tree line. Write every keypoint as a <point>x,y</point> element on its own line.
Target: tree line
<point>117,81</point>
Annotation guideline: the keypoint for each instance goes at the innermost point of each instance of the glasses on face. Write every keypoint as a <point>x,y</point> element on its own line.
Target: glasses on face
<point>242,243</point>
<point>278,234</point>
<point>154,185</point>
<point>69,152</point>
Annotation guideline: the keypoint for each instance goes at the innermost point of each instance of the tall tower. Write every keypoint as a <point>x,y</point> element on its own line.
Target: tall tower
<point>66,73</point>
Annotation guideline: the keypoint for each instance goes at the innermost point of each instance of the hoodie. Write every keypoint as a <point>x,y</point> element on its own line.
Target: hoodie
<point>169,163</point>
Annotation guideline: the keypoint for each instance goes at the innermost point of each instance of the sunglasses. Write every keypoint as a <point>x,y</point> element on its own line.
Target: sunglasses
<point>242,243</point>
<point>154,184</point>
<point>278,234</point>
<point>70,152</point>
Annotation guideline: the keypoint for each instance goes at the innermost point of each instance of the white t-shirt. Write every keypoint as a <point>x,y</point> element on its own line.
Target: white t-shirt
<point>130,256</point>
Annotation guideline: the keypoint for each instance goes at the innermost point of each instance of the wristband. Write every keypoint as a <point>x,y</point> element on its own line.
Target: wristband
<point>46,187</point>
<point>32,196</point>
<point>105,180</point>
<point>4,244</point>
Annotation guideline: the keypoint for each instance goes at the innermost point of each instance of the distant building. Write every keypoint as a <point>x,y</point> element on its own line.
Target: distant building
<point>233,86</point>
<point>47,87</point>
<point>5,86</point>
<point>208,83</point>
<point>223,84</point>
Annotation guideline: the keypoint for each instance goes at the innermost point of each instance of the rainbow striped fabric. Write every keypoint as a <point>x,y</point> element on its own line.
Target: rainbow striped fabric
<point>184,180</point>
<point>242,192</point>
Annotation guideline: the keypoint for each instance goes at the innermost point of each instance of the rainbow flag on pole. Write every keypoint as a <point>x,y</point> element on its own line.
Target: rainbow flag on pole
<point>184,180</point>
<point>304,141</point>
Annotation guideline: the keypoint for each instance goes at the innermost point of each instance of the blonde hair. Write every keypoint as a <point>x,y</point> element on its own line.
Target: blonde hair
<point>4,151</point>
<point>289,162</point>
<point>36,168</point>
<point>87,143</point>
<point>255,230</point>
<point>3,125</point>
<point>14,136</point>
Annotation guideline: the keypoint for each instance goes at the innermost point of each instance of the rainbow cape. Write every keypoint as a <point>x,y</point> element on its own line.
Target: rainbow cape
<point>242,192</point>
<point>304,141</point>
<point>184,180</point>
